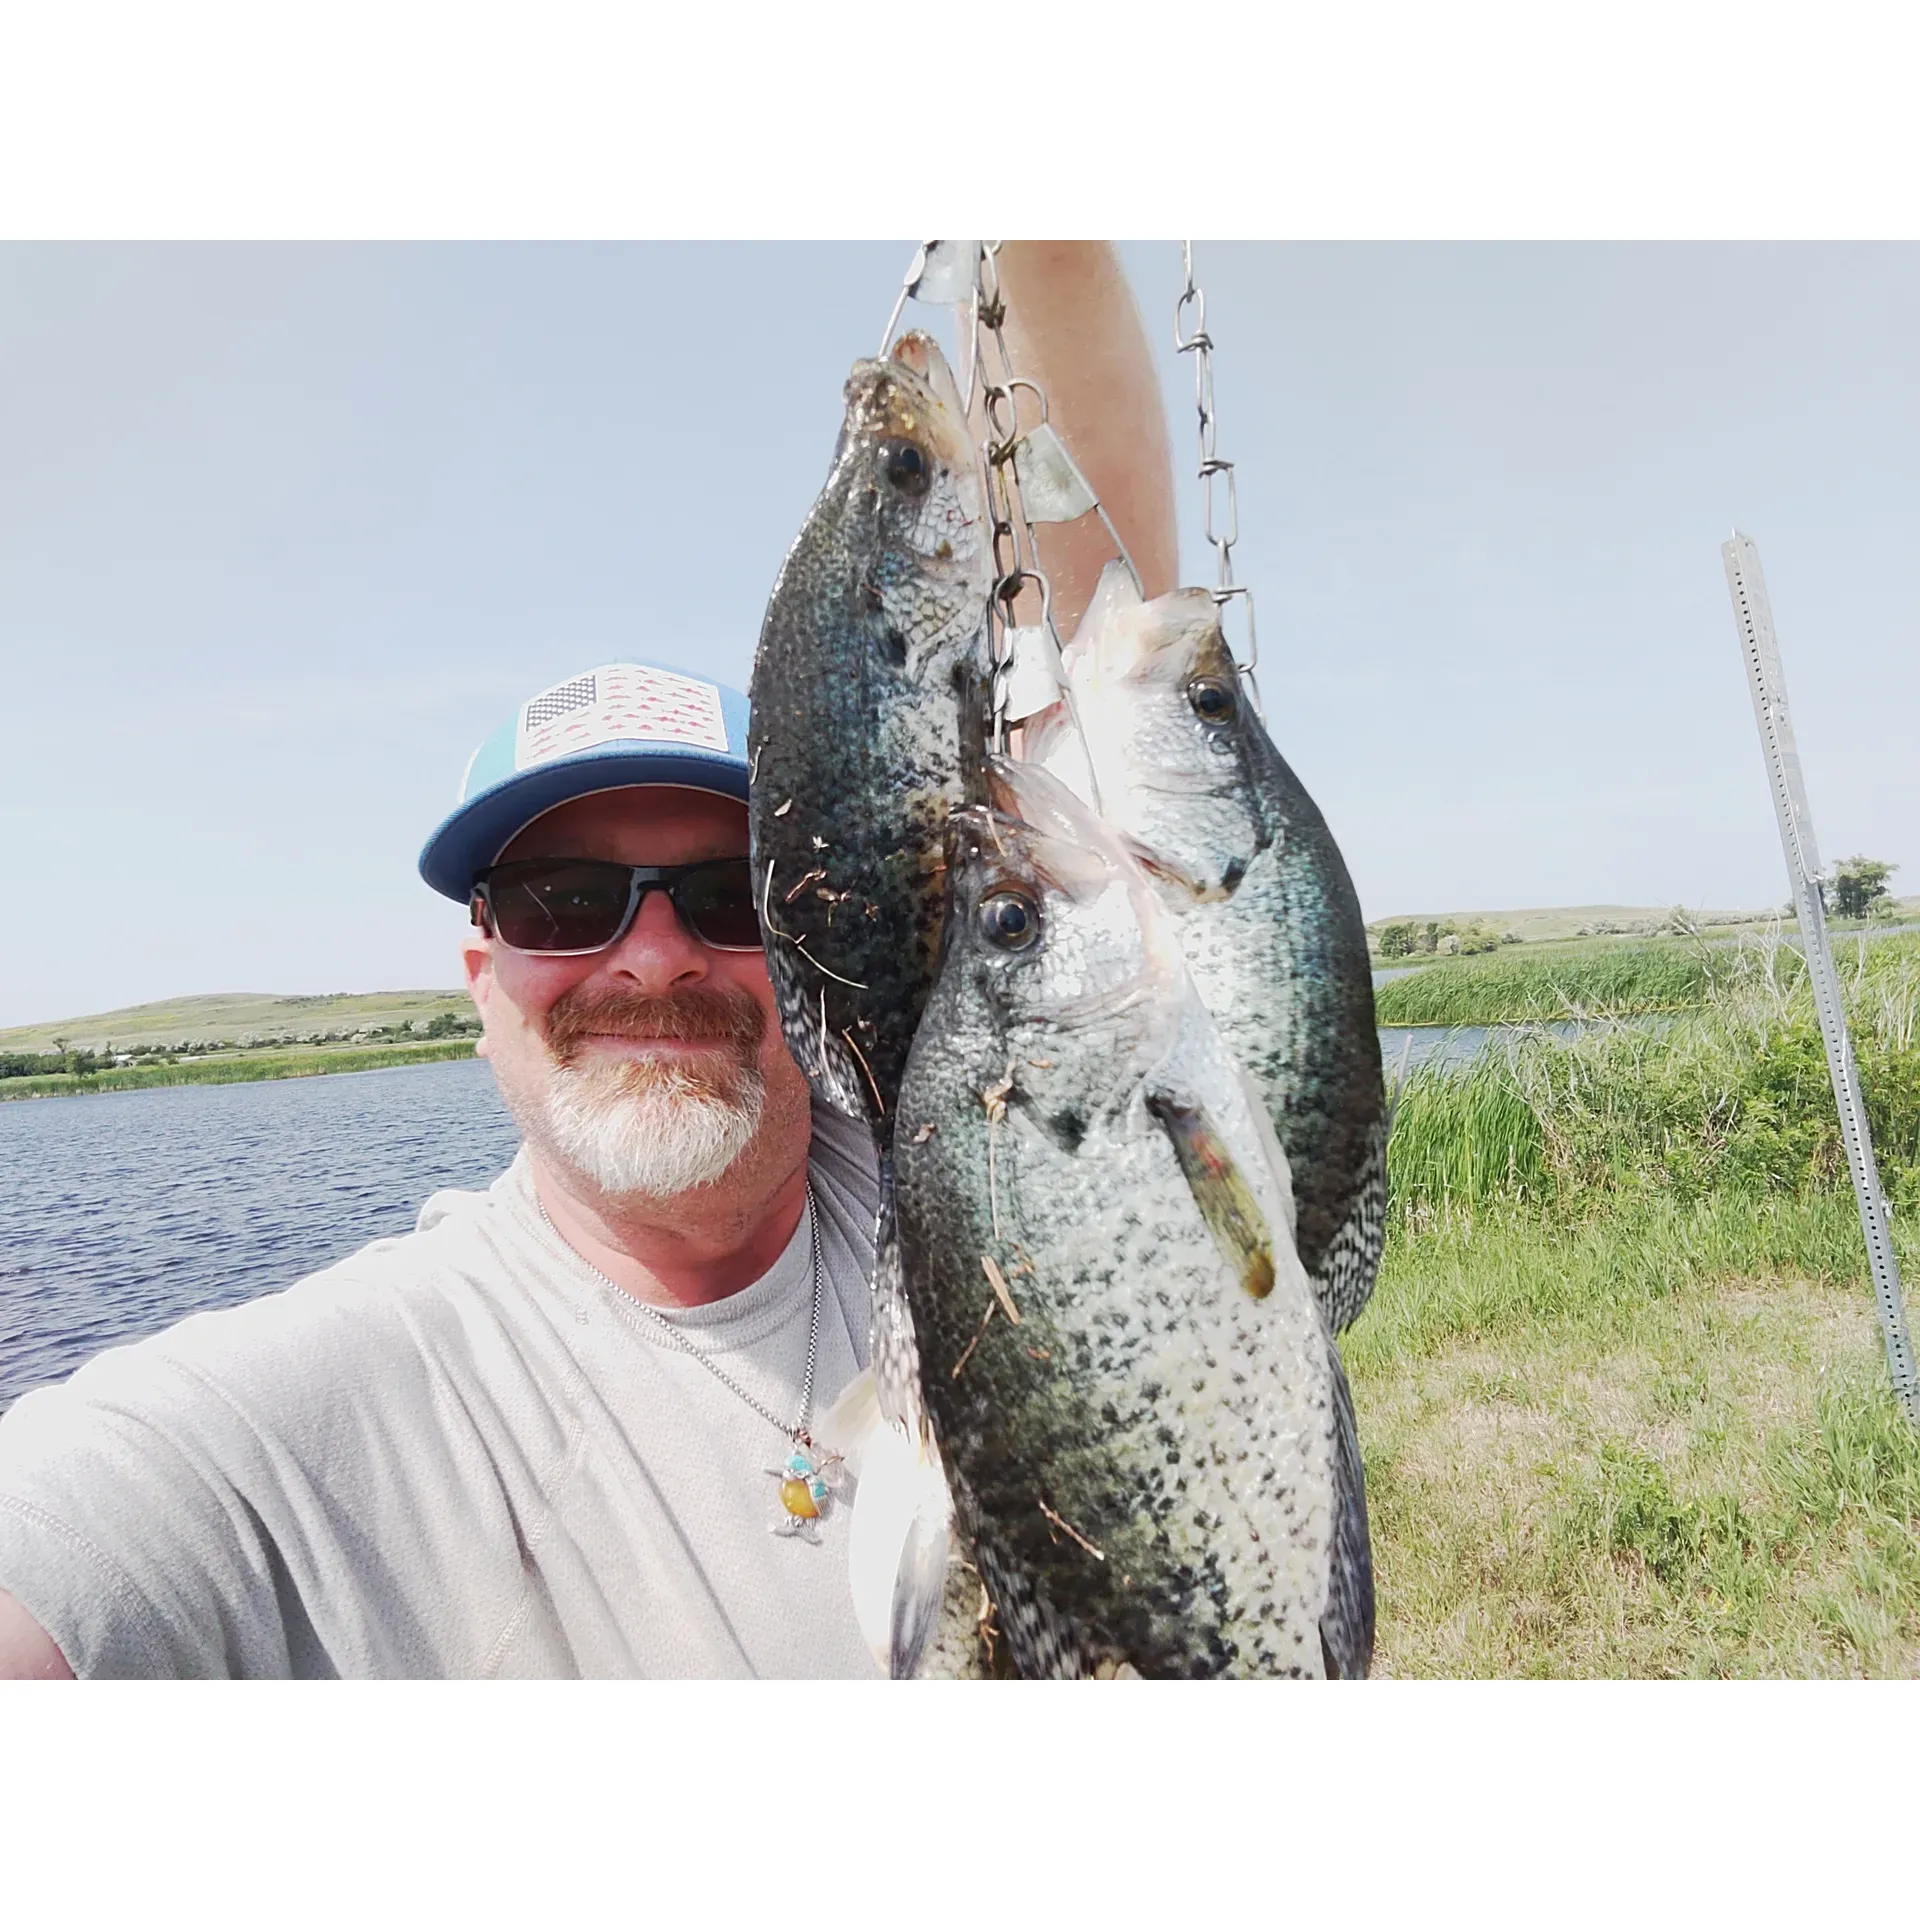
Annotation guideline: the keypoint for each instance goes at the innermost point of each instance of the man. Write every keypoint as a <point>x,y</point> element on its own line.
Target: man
<point>564,1426</point>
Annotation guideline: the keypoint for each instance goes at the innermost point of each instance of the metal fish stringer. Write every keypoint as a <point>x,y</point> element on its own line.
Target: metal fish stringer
<point>1221,515</point>
<point>1753,615</point>
<point>1032,479</point>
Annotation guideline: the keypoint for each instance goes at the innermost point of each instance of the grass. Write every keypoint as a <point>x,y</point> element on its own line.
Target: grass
<point>1622,979</point>
<point>1667,1448</point>
<point>1485,990</point>
<point>1621,1387</point>
<point>280,1063</point>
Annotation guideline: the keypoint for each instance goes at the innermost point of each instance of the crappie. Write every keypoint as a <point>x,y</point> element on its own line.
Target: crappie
<point>867,726</point>
<point>1266,914</point>
<point>1142,1413</point>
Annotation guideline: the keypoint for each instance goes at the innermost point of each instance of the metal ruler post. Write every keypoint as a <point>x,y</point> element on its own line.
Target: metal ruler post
<point>1754,617</point>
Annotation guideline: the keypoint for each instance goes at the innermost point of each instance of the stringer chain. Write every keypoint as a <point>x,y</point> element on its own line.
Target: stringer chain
<point>1220,537</point>
<point>1016,552</point>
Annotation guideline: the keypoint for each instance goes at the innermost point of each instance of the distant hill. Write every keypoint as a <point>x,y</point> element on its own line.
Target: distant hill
<point>233,1017</point>
<point>281,1016</point>
<point>1567,923</point>
<point>1529,923</point>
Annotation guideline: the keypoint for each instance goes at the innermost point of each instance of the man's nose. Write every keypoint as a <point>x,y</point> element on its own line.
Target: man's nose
<point>657,953</point>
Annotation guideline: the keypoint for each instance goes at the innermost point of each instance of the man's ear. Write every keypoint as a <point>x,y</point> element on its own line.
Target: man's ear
<point>476,956</point>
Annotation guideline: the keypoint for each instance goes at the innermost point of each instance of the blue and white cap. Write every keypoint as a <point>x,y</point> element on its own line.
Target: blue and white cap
<point>628,724</point>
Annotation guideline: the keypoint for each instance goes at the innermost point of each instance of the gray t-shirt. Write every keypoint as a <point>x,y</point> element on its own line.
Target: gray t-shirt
<point>459,1452</point>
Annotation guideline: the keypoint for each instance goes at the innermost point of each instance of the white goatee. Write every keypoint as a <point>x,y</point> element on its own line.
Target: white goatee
<point>634,1127</point>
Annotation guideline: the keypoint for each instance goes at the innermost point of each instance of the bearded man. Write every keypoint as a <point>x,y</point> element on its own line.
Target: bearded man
<point>563,1427</point>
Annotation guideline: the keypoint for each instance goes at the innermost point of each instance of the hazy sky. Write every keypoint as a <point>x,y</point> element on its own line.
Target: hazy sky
<point>285,530</point>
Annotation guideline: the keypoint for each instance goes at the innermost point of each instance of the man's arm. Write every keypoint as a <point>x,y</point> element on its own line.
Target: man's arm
<point>1072,325</point>
<point>27,1651</point>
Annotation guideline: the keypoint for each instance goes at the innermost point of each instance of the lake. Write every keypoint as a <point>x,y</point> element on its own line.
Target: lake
<point>121,1213</point>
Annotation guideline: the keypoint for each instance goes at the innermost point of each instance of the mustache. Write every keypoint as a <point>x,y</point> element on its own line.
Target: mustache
<point>727,1014</point>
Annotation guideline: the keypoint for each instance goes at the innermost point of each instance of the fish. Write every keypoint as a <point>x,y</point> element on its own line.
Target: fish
<point>866,729</point>
<point>1161,735</point>
<point>1136,1396</point>
<point>867,725</point>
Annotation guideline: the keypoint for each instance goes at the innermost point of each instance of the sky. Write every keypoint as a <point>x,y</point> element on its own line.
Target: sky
<point>286,529</point>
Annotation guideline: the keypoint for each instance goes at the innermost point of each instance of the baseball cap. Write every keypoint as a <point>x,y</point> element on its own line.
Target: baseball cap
<point>627,724</point>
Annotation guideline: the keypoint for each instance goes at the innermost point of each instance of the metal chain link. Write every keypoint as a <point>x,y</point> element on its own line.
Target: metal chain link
<point>798,1431</point>
<point>1199,343</point>
<point>1016,551</point>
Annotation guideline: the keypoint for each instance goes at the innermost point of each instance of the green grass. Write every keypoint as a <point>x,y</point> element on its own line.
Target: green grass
<point>1660,1445</point>
<point>1621,1386</point>
<point>1488,989</point>
<point>1564,982</point>
<point>291,1063</point>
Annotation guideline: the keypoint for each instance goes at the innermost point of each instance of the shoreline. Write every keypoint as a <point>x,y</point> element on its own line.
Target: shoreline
<point>294,1064</point>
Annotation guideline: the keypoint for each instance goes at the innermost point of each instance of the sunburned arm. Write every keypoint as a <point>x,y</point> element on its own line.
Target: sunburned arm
<point>27,1651</point>
<point>1072,325</point>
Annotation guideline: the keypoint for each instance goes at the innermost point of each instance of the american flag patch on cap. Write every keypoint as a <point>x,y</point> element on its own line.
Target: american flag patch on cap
<point>619,703</point>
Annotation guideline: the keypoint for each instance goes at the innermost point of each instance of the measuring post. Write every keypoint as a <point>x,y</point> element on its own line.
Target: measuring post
<point>1754,617</point>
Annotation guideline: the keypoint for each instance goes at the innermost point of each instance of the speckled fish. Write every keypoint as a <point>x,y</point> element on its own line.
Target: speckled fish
<point>867,727</point>
<point>1267,916</point>
<point>1140,1406</point>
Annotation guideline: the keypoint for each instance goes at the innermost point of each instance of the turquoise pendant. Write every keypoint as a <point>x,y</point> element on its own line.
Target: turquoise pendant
<point>808,1483</point>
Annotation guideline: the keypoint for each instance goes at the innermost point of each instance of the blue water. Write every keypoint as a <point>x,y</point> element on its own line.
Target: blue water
<point>123,1212</point>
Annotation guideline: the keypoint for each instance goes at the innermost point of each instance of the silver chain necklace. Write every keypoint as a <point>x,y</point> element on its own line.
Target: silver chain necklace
<point>811,1476</point>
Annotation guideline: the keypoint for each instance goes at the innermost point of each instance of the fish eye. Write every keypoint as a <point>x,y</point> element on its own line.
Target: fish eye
<point>1213,700</point>
<point>907,469</point>
<point>1010,921</point>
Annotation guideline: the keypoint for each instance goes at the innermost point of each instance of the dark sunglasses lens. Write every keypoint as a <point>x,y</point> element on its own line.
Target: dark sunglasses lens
<point>557,906</point>
<point>718,903</point>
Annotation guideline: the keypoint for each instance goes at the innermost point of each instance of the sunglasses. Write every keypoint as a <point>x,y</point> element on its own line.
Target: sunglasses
<point>586,906</point>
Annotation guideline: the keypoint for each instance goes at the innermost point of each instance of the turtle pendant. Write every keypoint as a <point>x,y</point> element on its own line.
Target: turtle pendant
<point>808,1483</point>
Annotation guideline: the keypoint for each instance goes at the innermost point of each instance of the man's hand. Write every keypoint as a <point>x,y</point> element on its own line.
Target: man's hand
<point>27,1651</point>
<point>1072,326</point>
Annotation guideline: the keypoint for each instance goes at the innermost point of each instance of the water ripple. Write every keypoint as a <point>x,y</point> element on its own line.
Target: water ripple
<point>122,1213</point>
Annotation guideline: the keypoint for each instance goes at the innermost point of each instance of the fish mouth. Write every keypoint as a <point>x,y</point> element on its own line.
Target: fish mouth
<point>1068,847</point>
<point>911,394</point>
<point>1124,639</point>
<point>1009,851</point>
<point>1182,879</point>
<point>921,353</point>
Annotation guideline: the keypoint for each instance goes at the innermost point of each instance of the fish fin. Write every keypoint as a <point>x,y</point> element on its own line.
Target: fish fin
<point>1346,1628</point>
<point>817,1049</point>
<point>903,1514</point>
<point>848,1424</point>
<point>920,1578</point>
<point>893,1349</point>
<point>1226,1200</point>
<point>1343,1280</point>
<point>897,1544</point>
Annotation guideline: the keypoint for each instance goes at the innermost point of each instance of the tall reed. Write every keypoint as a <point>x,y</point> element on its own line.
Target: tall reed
<point>1733,1096</point>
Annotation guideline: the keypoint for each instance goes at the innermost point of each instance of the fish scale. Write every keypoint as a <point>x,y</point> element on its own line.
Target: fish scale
<point>1153,1466</point>
<point>1265,909</point>
<point>867,726</point>
<point>1203,1473</point>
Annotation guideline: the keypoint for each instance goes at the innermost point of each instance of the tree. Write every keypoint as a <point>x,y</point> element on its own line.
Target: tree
<point>1857,883</point>
<point>1395,940</point>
